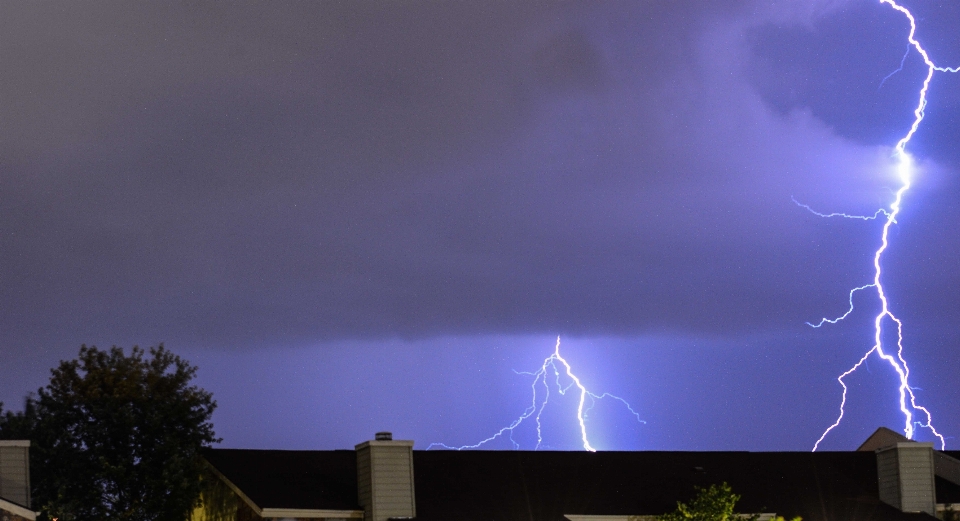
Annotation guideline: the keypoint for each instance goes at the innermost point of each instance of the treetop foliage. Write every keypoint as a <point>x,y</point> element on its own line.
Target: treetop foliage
<point>117,436</point>
<point>714,503</point>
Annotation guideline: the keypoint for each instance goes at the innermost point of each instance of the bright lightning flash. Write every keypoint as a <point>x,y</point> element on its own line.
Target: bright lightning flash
<point>908,401</point>
<point>537,406</point>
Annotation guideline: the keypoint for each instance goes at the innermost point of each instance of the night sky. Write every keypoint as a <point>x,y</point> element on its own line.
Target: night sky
<point>363,216</point>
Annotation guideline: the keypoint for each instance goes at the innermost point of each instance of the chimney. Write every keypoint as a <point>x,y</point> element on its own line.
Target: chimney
<point>905,475</point>
<point>385,478</point>
<point>15,471</point>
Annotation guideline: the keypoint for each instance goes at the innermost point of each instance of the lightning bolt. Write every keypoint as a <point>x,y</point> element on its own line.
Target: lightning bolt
<point>537,405</point>
<point>900,68</point>
<point>841,214</point>
<point>908,401</point>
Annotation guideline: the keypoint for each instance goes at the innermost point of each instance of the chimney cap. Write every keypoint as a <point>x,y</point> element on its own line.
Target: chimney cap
<point>384,436</point>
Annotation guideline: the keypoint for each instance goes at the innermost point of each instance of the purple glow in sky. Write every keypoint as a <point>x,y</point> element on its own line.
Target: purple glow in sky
<point>362,216</point>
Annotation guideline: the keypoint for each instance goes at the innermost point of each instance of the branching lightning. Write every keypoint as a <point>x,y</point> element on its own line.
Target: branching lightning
<point>882,211</point>
<point>904,171</point>
<point>537,405</point>
<point>843,316</point>
<point>900,68</point>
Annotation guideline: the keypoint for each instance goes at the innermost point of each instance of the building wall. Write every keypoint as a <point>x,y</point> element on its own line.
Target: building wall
<point>916,478</point>
<point>906,477</point>
<point>888,470</point>
<point>15,471</point>
<point>385,479</point>
<point>13,512</point>
<point>9,516</point>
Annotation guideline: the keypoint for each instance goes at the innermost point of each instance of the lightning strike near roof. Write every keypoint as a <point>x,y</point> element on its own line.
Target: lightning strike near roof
<point>535,410</point>
<point>908,401</point>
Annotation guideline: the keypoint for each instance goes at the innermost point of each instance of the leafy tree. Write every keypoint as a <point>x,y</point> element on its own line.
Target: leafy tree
<point>116,436</point>
<point>21,425</point>
<point>715,503</point>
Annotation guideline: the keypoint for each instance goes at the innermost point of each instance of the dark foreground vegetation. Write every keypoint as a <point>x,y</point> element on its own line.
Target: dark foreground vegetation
<point>116,436</point>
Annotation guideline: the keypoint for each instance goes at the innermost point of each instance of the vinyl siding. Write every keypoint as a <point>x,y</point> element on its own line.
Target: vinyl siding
<point>905,473</point>
<point>385,481</point>
<point>916,480</point>
<point>15,474</point>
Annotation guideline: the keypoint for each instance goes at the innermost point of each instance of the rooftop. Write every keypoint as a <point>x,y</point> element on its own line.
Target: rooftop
<point>506,485</point>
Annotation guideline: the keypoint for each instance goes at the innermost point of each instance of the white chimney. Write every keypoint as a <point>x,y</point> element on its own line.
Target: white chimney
<point>905,475</point>
<point>15,471</point>
<point>385,478</point>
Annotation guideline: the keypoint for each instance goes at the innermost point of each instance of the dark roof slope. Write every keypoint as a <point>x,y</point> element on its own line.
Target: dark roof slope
<point>311,479</point>
<point>947,492</point>
<point>546,485</point>
<point>521,485</point>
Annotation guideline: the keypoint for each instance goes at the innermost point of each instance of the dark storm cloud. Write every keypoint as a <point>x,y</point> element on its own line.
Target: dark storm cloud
<point>258,175</point>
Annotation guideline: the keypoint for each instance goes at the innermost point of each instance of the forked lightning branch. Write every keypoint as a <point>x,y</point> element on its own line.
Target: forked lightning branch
<point>551,369</point>
<point>914,414</point>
